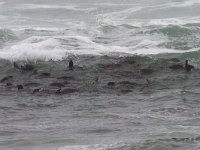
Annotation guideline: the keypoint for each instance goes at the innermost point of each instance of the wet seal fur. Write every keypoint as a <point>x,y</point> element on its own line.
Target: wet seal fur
<point>187,67</point>
<point>111,83</point>
<point>71,65</point>
<point>19,87</point>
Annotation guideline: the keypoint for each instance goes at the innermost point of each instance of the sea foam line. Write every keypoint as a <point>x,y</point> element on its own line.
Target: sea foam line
<point>174,21</point>
<point>59,47</point>
<point>185,3</point>
<point>43,6</point>
<point>93,147</point>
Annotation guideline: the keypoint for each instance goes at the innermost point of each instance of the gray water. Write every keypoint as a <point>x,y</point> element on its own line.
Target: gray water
<point>100,36</point>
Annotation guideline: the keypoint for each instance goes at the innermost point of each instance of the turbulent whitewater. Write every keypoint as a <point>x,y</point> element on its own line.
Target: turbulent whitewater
<point>122,93</point>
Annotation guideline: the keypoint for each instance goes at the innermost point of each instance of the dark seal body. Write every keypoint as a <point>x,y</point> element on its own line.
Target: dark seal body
<point>188,67</point>
<point>71,65</point>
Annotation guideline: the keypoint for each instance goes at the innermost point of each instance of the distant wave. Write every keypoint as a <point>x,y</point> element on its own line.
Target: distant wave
<point>139,28</point>
<point>115,4</point>
<point>112,20</point>
<point>38,6</point>
<point>95,147</point>
<point>174,21</point>
<point>58,47</point>
<point>43,6</point>
<point>34,48</point>
<point>112,17</point>
<point>185,3</point>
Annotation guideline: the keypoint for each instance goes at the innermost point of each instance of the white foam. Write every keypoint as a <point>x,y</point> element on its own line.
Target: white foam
<point>186,3</point>
<point>147,43</point>
<point>34,48</point>
<point>59,47</point>
<point>88,47</point>
<point>46,29</point>
<point>67,25</point>
<point>115,17</point>
<point>46,48</point>
<point>154,51</point>
<point>44,6</point>
<point>38,6</point>
<point>115,4</point>
<point>183,4</point>
<point>93,147</point>
<point>173,21</point>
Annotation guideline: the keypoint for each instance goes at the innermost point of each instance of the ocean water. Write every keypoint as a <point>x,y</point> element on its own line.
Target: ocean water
<point>122,95</point>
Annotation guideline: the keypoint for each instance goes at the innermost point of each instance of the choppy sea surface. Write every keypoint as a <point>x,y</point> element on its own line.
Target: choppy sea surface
<point>122,94</point>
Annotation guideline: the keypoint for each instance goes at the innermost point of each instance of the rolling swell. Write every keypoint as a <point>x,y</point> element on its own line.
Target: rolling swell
<point>102,39</point>
<point>181,38</point>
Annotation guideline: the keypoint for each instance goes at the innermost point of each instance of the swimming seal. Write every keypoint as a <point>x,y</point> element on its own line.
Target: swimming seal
<point>111,84</point>
<point>20,87</point>
<point>188,67</point>
<point>71,65</point>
